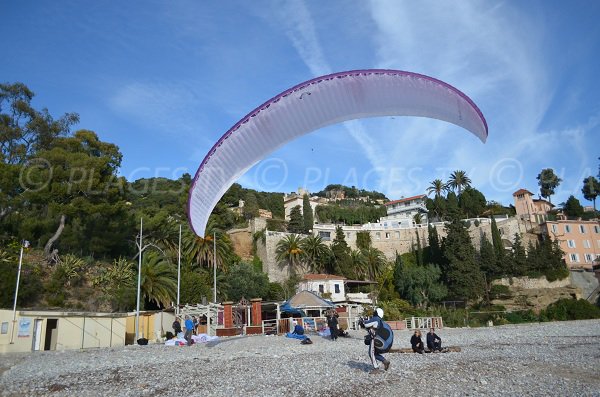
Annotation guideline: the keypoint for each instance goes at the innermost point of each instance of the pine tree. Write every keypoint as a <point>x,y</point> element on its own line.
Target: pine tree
<point>465,279</point>
<point>307,214</point>
<point>296,223</point>
<point>453,211</point>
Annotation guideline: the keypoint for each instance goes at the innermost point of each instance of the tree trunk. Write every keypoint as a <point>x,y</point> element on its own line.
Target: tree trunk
<point>56,235</point>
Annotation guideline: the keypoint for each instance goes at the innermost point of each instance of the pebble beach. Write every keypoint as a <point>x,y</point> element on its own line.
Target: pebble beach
<point>559,358</point>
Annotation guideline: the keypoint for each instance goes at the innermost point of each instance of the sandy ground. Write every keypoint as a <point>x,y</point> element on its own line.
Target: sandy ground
<point>561,358</point>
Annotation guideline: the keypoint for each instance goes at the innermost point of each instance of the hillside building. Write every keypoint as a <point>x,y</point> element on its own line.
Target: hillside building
<point>401,213</point>
<point>531,209</point>
<point>334,288</point>
<point>579,240</point>
<point>293,199</point>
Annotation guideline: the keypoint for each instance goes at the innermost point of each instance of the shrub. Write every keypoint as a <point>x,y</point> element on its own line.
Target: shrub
<point>527,316</point>
<point>570,309</point>
<point>500,291</point>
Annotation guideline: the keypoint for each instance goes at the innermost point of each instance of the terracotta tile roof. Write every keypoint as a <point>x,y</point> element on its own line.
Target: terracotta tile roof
<point>322,277</point>
<point>522,191</point>
<point>545,201</point>
<point>405,199</point>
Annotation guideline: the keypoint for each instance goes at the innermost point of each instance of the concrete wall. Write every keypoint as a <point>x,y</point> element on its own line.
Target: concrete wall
<point>399,240</point>
<point>393,240</point>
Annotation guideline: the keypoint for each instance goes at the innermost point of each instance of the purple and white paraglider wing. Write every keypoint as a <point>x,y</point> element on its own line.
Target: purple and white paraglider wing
<point>315,104</point>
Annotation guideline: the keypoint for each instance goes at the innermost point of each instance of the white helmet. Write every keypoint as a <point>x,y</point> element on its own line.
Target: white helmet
<point>379,312</point>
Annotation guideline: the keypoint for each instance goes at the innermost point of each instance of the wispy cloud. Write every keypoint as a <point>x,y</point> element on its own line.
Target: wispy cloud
<point>478,48</point>
<point>169,109</point>
<point>300,29</point>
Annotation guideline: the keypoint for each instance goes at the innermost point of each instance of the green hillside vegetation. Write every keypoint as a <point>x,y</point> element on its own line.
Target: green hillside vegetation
<point>351,193</point>
<point>61,191</point>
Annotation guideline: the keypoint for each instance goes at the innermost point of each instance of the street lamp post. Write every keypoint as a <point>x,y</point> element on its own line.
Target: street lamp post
<point>178,271</point>
<point>137,311</point>
<point>215,267</point>
<point>24,244</point>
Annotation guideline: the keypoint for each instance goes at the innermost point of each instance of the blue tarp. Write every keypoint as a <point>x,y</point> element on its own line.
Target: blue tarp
<point>286,308</point>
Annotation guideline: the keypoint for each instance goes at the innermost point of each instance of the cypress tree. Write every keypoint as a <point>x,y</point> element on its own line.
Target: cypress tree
<point>419,250</point>
<point>488,263</point>
<point>435,250</point>
<point>250,206</point>
<point>341,254</point>
<point>518,258</point>
<point>464,277</point>
<point>497,240</point>
<point>296,223</point>
<point>307,214</point>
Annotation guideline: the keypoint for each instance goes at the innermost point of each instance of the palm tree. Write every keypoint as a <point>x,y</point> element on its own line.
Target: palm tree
<point>315,252</point>
<point>458,181</point>
<point>199,250</point>
<point>159,281</point>
<point>438,187</point>
<point>288,252</point>
<point>359,264</point>
<point>375,262</point>
<point>418,218</point>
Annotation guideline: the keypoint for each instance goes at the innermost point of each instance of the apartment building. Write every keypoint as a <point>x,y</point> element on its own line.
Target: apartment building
<point>579,240</point>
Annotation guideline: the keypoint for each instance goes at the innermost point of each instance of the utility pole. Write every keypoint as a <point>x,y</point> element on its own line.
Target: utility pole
<point>24,244</point>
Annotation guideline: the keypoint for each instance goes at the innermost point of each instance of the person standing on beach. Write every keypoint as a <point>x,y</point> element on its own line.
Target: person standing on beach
<point>176,326</point>
<point>332,323</point>
<point>189,328</point>
<point>381,338</point>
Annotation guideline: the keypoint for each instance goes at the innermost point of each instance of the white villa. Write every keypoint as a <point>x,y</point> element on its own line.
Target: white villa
<point>401,213</point>
<point>332,287</point>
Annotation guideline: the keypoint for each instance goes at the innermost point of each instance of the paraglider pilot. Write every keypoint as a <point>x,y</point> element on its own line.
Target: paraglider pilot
<point>379,339</point>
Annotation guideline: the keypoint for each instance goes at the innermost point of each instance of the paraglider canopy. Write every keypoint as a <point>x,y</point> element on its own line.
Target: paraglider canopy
<point>317,103</point>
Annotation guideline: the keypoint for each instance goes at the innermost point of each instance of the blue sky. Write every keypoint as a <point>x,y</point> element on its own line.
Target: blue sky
<point>165,79</point>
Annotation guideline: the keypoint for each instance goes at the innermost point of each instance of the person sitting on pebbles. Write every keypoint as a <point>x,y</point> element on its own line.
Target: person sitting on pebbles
<point>434,342</point>
<point>417,343</point>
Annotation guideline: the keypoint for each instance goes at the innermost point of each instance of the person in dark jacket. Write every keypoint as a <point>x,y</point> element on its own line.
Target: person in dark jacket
<point>434,342</point>
<point>176,326</point>
<point>373,325</point>
<point>298,329</point>
<point>417,343</point>
<point>332,323</point>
